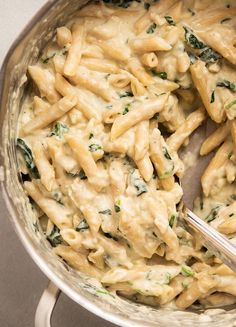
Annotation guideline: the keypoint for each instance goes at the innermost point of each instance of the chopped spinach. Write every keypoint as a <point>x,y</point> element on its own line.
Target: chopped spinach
<point>138,183</point>
<point>213,214</point>
<point>55,237</point>
<point>126,94</point>
<point>117,206</point>
<point>192,40</point>
<point>46,60</point>
<point>227,84</point>
<point>191,11</point>
<point>187,271</point>
<point>91,136</point>
<point>172,220</point>
<point>126,109</point>
<point>209,55</point>
<point>212,97</point>
<point>80,174</point>
<point>230,154</point>
<point>59,129</point>
<point>105,212</point>
<point>170,20</point>
<point>57,196</point>
<point>225,20</point>
<point>83,225</point>
<point>162,75</point>
<point>28,157</point>
<point>109,235</point>
<point>166,153</point>
<point>120,3</point>
<point>192,58</point>
<point>146,5</point>
<point>94,147</point>
<point>151,28</point>
<point>231,104</point>
<point>167,173</point>
<point>233,197</point>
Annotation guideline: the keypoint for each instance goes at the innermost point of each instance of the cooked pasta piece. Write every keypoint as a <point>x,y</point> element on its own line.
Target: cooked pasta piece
<point>77,260</point>
<point>141,140</point>
<point>85,78</point>
<point>215,139</point>
<point>59,214</point>
<point>64,36</point>
<point>162,159</point>
<point>138,71</point>
<point>100,65</point>
<point>85,159</point>
<point>150,44</point>
<point>216,163</point>
<point>40,105</point>
<point>45,83</point>
<point>47,117</point>
<point>206,88</point>
<point>149,59</point>
<point>145,167</point>
<point>46,170</point>
<point>75,50</point>
<point>66,89</point>
<point>193,121</point>
<point>198,289</point>
<point>142,112</point>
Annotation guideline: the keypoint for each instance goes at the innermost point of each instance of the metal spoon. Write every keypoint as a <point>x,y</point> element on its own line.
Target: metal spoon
<point>218,244</point>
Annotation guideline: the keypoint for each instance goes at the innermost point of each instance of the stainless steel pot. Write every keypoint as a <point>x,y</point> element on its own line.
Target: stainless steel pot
<point>83,290</point>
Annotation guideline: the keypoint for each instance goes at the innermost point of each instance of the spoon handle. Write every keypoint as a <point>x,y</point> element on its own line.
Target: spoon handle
<point>218,244</point>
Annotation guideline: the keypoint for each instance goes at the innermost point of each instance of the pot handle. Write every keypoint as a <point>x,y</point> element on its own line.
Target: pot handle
<point>46,305</point>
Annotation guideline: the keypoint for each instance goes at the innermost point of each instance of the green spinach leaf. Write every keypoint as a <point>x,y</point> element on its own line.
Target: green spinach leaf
<point>83,225</point>
<point>170,20</point>
<point>28,157</point>
<point>59,129</point>
<point>227,84</point>
<point>55,237</point>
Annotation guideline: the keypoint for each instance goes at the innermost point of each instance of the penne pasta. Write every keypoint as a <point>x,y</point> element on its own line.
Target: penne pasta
<point>75,50</point>
<point>66,89</point>
<point>142,112</point>
<point>135,67</point>
<point>86,161</point>
<point>193,121</point>
<point>215,139</point>
<point>58,214</point>
<point>64,36</point>
<point>46,170</point>
<point>45,118</point>
<point>216,163</point>
<point>84,78</point>
<point>45,83</point>
<point>150,44</point>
